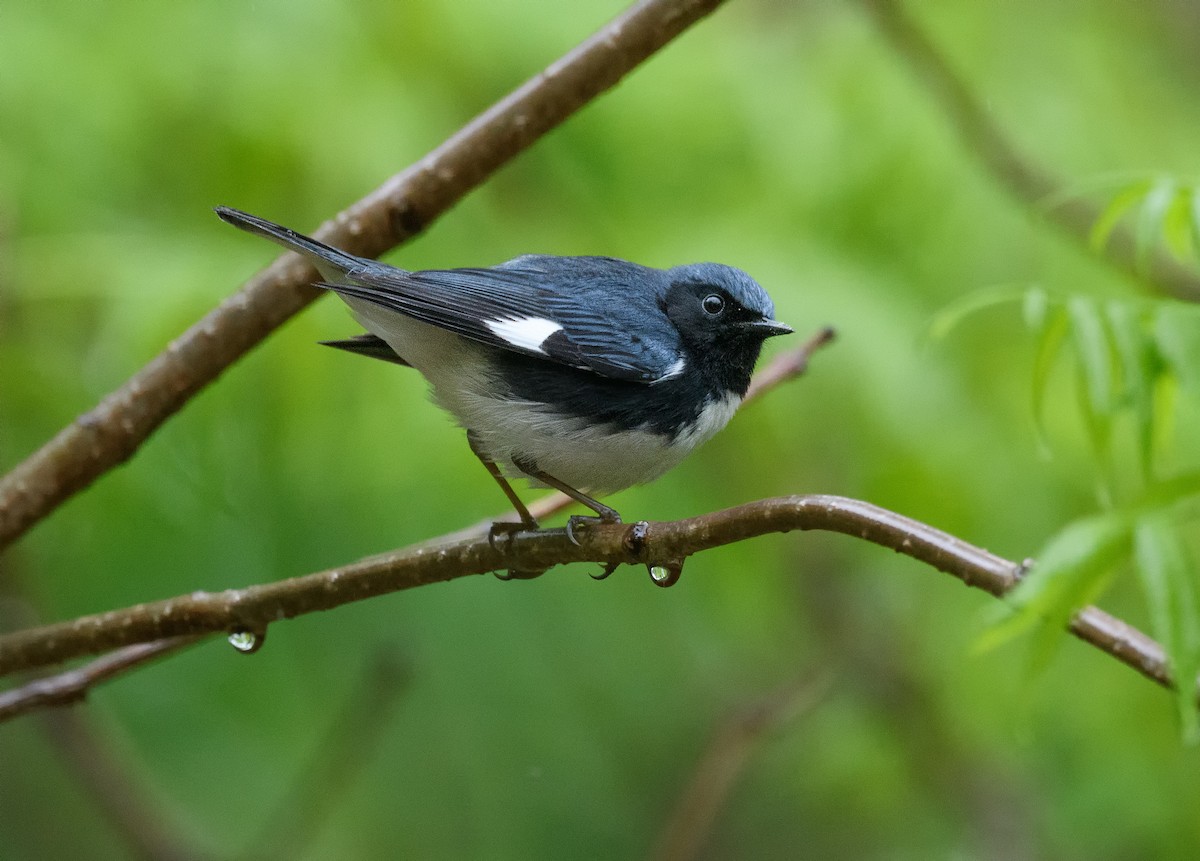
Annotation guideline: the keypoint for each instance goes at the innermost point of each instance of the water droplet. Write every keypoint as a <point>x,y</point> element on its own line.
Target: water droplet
<point>666,574</point>
<point>246,641</point>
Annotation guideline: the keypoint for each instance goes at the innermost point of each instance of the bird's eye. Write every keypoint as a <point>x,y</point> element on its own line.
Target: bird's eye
<point>713,304</point>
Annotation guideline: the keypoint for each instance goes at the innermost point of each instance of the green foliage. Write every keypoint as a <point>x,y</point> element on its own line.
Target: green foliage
<point>1167,570</point>
<point>1162,210</point>
<point>562,717</point>
<point>1070,571</point>
<point>1130,356</point>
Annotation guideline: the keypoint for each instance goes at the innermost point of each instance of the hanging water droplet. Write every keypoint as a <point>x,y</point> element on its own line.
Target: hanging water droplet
<point>666,574</point>
<point>246,641</point>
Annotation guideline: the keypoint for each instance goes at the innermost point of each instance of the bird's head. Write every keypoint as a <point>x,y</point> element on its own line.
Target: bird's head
<point>713,304</point>
<point>723,316</point>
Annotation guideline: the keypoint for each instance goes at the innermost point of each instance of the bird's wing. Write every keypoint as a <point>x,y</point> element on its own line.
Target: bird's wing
<point>526,310</point>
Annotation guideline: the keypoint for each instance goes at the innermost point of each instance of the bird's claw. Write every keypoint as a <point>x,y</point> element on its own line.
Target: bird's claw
<point>609,568</point>
<point>510,529</point>
<point>514,574</point>
<point>575,520</point>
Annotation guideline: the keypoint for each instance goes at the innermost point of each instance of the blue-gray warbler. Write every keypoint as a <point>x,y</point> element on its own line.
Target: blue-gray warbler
<point>585,374</point>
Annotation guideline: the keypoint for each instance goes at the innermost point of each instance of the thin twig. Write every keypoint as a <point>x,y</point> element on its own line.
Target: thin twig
<point>666,544</point>
<point>1030,183</point>
<point>406,204</point>
<point>137,814</point>
<point>726,757</point>
<point>788,365</point>
<point>72,686</point>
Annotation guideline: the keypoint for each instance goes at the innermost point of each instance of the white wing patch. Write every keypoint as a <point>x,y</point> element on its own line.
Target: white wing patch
<point>672,372</point>
<point>526,333</point>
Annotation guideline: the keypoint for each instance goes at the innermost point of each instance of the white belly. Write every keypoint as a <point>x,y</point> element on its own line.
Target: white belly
<point>592,459</point>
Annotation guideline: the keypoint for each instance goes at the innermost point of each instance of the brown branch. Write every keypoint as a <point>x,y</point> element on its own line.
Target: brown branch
<point>1025,180</point>
<point>728,753</point>
<point>406,204</point>
<point>134,811</point>
<point>651,544</point>
<point>72,686</point>
<point>788,365</point>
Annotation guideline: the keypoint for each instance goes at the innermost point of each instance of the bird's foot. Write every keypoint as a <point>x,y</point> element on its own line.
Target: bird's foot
<point>515,574</point>
<point>609,568</point>
<point>605,515</point>
<point>510,529</point>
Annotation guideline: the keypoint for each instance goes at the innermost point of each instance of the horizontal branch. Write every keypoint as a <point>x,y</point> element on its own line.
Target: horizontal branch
<point>111,432</point>
<point>72,685</point>
<point>666,544</point>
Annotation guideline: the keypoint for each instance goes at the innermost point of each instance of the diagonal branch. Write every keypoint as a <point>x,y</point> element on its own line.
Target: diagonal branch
<point>715,775</point>
<point>406,204</point>
<point>1027,181</point>
<point>72,686</point>
<point>788,365</point>
<point>665,544</point>
<point>133,809</point>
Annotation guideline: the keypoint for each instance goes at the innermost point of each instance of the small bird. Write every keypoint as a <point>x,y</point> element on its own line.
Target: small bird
<point>585,374</point>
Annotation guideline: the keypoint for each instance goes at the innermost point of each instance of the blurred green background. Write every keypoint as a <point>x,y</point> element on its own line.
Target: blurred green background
<point>562,717</point>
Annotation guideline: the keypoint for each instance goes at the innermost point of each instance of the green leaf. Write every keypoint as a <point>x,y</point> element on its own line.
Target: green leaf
<point>1182,487</point>
<point>1050,340</point>
<point>1094,355</point>
<point>1093,352</point>
<point>1176,331</point>
<point>1136,360</point>
<point>1069,572</point>
<point>1178,225</point>
<point>1121,203</point>
<point>1151,217</point>
<point>950,317</point>
<point>1195,218</point>
<point>1166,573</point>
<point>1035,308</point>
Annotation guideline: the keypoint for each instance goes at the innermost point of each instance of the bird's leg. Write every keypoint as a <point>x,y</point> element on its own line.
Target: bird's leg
<point>498,527</point>
<point>527,522</point>
<point>605,514</point>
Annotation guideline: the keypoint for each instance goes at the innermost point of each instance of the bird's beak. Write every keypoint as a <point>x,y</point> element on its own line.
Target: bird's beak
<point>767,328</point>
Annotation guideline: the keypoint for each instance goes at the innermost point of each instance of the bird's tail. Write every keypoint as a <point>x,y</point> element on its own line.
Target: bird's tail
<point>330,262</point>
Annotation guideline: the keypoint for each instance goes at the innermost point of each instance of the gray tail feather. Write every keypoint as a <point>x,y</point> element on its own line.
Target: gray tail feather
<point>368,345</point>
<point>318,252</point>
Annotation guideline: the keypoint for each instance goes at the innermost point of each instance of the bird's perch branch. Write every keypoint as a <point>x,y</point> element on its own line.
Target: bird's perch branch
<point>406,204</point>
<point>256,607</point>
<point>73,685</point>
